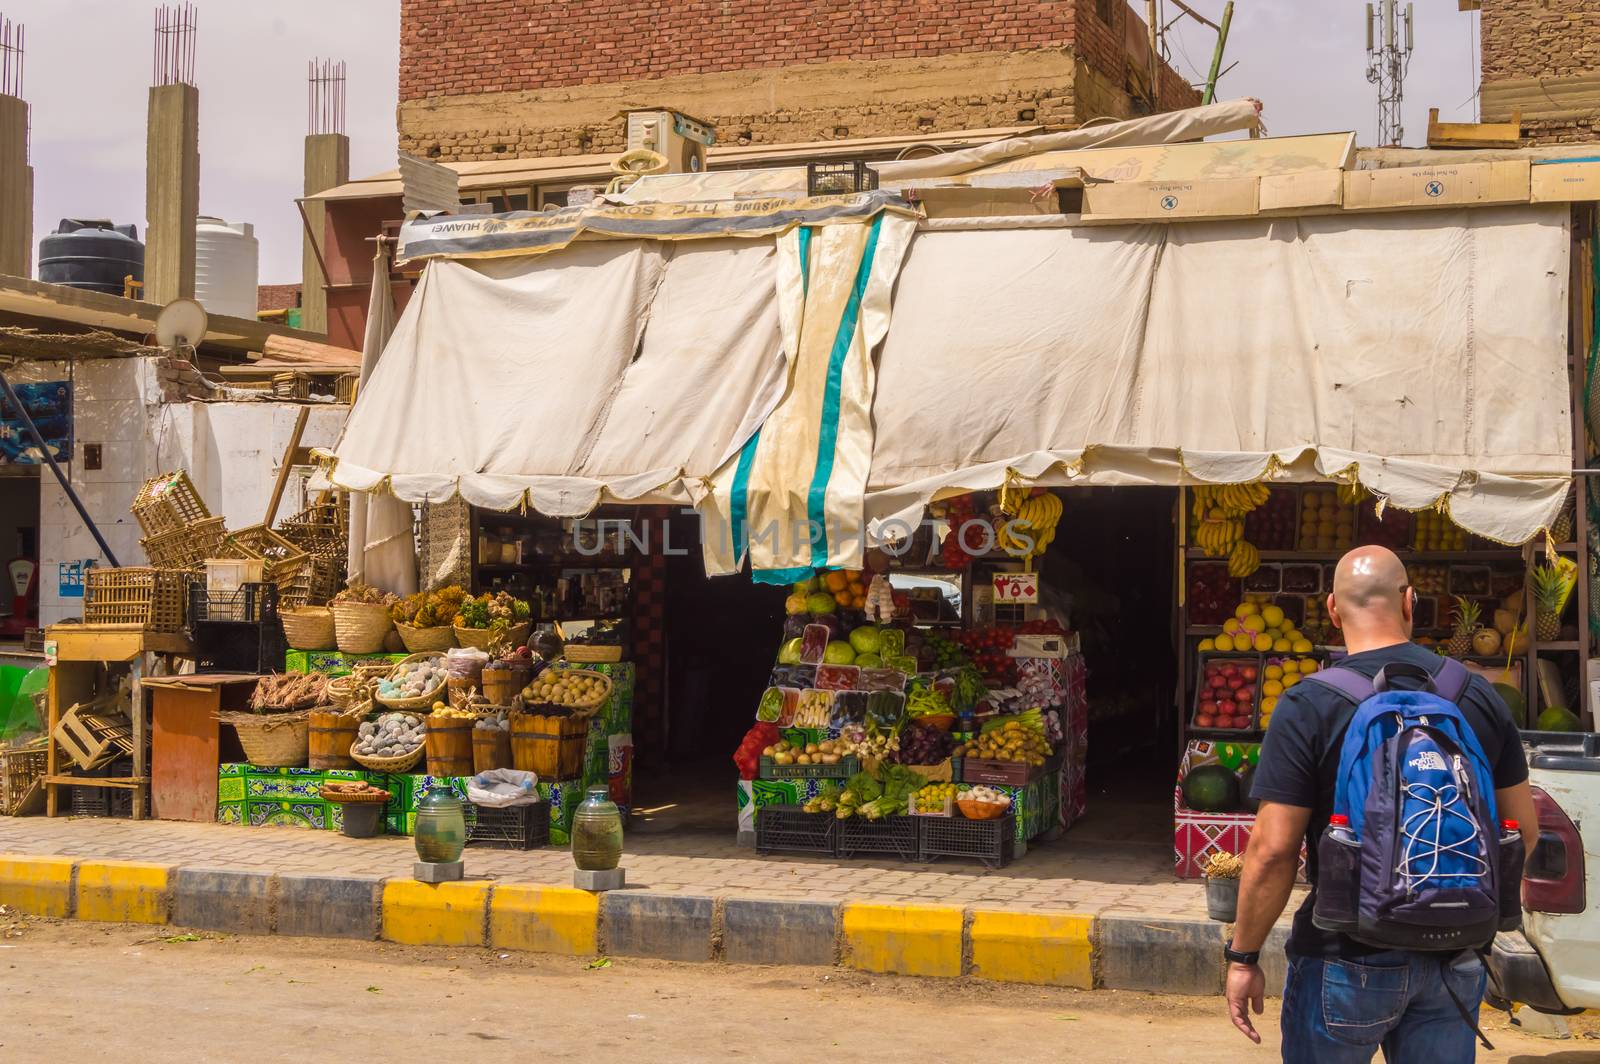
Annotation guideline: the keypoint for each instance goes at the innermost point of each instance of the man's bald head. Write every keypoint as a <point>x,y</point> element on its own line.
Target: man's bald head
<point>1369,599</point>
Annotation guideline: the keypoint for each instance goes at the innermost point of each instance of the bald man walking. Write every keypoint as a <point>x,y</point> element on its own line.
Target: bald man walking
<point>1343,1000</point>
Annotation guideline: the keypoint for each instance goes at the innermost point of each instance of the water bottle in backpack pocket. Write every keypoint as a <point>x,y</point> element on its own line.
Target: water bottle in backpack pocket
<point>1414,857</point>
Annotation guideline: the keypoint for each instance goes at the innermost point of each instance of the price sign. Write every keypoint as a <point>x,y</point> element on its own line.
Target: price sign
<point>1016,589</point>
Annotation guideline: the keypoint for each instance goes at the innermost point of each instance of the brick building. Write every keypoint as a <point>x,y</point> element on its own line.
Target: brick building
<point>1542,57</point>
<point>509,78</point>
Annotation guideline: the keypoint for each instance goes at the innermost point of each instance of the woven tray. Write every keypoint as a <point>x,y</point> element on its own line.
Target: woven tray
<point>349,798</point>
<point>422,701</point>
<point>402,763</point>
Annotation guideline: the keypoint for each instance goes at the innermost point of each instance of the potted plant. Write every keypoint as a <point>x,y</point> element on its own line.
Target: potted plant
<point>1222,871</point>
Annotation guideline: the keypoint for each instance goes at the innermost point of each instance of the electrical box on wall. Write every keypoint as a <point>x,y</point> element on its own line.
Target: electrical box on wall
<point>679,138</point>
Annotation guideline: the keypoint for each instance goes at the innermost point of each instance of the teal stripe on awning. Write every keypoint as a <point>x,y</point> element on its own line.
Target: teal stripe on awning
<point>816,502</point>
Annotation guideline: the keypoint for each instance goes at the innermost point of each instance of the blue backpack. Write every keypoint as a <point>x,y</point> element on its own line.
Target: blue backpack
<point>1423,863</point>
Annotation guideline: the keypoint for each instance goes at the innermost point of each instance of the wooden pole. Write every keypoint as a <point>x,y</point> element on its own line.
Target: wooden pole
<point>1216,54</point>
<point>1155,56</point>
<point>283,469</point>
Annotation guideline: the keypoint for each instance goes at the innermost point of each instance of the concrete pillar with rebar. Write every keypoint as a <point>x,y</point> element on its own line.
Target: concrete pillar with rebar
<point>171,192</point>
<point>16,190</point>
<point>327,165</point>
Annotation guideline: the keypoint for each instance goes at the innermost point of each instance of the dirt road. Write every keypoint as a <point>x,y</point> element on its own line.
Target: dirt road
<point>141,995</point>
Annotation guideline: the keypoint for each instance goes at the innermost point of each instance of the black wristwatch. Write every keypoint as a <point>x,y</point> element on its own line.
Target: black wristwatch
<point>1233,956</point>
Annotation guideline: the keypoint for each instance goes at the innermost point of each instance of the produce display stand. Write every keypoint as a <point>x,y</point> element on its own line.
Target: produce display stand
<point>1014,666</point>
<point>1297,553</point>
<point>83,660</point>
<point>186,740</point>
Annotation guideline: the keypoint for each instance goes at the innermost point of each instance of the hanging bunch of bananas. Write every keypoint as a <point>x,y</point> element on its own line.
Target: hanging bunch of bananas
<point>1034,513</point>
<point>1234,500</point>
<point>1352,492</point>
<point>1244,559</point>
<point>1219,511</point>
<point>1218,535</point>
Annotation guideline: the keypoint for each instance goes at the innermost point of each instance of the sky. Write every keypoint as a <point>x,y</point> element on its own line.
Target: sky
<point>89,67</point>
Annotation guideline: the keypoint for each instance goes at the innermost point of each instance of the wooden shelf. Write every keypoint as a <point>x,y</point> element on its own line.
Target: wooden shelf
<point>543,564</point>
<point>1503,554</point>
<point>1559,644</point>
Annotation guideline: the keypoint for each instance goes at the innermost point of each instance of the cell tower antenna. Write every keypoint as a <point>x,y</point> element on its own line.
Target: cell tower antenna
<point>1391,34</point>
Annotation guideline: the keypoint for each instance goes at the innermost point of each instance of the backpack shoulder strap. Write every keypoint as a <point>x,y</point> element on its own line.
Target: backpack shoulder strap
<point>1450,680</point>
<point>1347,682</point>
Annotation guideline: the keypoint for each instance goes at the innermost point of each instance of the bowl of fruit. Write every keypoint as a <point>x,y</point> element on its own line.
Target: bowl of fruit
<point>982,803</point>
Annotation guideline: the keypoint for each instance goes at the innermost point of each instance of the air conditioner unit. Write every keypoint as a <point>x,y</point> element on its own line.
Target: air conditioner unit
<point>680,139</point>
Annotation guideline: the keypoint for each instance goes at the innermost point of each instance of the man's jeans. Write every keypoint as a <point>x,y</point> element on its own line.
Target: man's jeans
<point>1341,1011</point>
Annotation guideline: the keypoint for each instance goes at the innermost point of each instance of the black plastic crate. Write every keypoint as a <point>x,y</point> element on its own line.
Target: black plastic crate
<point>989,841</point>
<point>516,827</point>
<point>896,836</point>
<point>104,801</point>
<point>839,178</point>
<point>791,829</point>
<point>246,603</point>
<point>236,631</point>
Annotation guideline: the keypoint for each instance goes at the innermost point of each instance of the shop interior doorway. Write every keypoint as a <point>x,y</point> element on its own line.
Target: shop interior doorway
<point>722,636</point>
<point>19,552</point>
<point>1114,554</point>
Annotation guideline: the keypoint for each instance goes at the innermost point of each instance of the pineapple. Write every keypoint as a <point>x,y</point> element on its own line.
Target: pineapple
<point>1549,591</point>
<point>1467,614</point>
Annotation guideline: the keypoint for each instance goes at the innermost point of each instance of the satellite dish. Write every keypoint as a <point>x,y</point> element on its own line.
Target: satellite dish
<point>182,324</point>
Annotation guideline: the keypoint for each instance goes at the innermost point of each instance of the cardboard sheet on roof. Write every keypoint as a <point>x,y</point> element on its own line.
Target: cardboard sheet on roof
<point>1565,182</point>
<point>1464,185</point>
<point>1205,160</point>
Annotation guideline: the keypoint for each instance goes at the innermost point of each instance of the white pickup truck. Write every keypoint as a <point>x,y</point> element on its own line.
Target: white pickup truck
<point>1554,964</point>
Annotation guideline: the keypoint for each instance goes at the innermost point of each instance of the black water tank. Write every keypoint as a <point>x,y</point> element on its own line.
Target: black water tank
<point>86,253</point>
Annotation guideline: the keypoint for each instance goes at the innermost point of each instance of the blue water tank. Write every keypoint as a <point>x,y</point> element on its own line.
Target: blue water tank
<point>92,254</point>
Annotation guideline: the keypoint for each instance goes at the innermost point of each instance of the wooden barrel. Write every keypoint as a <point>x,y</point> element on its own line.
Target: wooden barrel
<point>331,734</point>
<point>500,686</point>
<point>491,749</point>
<point>549,743</point>
<point>449,742</point>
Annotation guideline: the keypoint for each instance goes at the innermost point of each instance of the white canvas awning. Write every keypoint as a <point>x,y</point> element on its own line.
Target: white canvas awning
<point>623,367</point>
<point>1423,353</point>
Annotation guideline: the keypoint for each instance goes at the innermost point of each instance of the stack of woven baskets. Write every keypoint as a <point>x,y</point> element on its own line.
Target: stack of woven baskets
<point>179,531</point>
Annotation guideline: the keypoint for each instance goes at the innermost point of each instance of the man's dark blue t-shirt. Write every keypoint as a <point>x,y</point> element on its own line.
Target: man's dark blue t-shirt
<point>1300,761</point>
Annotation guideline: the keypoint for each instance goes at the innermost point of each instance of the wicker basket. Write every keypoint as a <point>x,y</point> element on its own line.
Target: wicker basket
<point>590,709</point>
<point>21,773</point>
<point>398,764</point>
<point>273,740</point>
<point>591,654</point>
<point>187,547</point>
<point>360,627</point>
<point>349,689</point>
<point>167,503</point>
<point>484,638</point>
<point>422,701</point>
<point>319,530</point>
<point>426,640</point>
<point>308,628</point>
<point>287,565</point>
<point>140,596</point>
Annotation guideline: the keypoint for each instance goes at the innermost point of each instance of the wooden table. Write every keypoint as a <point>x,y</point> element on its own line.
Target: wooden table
<point>186,740</point>
<point>80,652</point>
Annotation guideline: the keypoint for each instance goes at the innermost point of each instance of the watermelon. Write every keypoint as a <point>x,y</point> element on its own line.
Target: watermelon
<point>1557,718</point>
<point>1211,789</point>
<point>1512,696</point>
<point>1247,779</point>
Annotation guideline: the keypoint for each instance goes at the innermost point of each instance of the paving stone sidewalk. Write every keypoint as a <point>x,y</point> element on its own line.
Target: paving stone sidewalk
<point>1104,867</point>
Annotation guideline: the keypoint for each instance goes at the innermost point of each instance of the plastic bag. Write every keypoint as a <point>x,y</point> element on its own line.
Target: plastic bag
<point>500,788</point>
